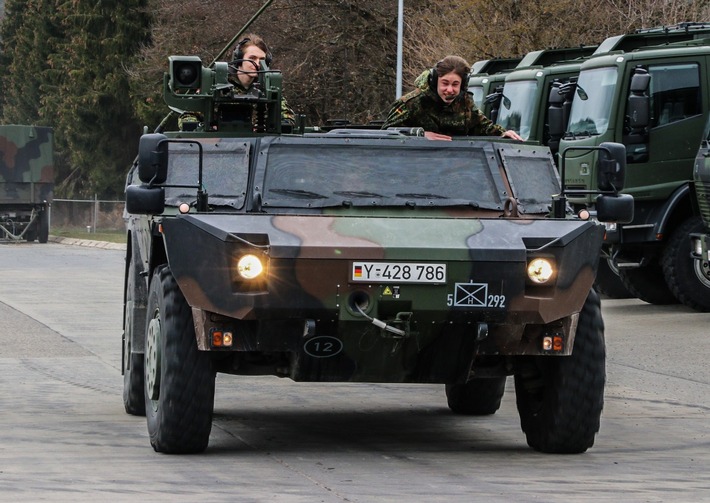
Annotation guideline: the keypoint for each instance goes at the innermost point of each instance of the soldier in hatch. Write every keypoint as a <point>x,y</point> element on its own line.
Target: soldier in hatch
<point>246,62</point>
<point>441,105</point>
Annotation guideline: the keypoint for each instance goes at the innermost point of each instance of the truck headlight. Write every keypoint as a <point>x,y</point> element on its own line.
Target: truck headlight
<point>249,266</point>
<point>541,270</point>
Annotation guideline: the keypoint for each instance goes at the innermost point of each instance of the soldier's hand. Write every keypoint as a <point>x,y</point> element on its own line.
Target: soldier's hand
<point>430,135</point>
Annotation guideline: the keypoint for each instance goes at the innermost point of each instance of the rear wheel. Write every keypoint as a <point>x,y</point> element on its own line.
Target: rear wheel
<point>560,398</point>
<point>477,397</point>
<point>648,284</point>
<point>179,379</point>
<point>687,278</point>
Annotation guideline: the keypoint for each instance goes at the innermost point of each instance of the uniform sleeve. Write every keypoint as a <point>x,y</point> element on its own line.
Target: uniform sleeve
<point>287,113</point>
<point>398,115</point>
<point>482,125</point>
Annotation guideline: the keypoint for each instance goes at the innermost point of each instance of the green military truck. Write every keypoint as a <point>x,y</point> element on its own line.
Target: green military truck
<point>655,101</point>
<point>356,256</point>
<point>535,101</point>
<point>26,182</point>
<point>700,239</point>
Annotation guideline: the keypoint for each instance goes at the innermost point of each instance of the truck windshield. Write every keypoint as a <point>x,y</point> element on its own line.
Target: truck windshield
<point>477,93</point>
<point>516,108</point>
<point>317,175</point>
<point>591,105</point>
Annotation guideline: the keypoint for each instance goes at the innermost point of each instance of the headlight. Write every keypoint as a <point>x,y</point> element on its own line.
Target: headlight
<point>249,266</point>
<point>541,270</point>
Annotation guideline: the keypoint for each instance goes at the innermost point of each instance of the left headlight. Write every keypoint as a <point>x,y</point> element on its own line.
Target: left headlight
<point>249,266</point>
<point>541,270</point>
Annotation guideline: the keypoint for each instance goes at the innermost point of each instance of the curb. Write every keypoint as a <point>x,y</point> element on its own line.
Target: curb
<point>87,242</point>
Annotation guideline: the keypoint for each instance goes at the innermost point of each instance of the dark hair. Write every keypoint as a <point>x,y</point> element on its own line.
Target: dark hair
<point>453,64</point>
<point>249,40</point>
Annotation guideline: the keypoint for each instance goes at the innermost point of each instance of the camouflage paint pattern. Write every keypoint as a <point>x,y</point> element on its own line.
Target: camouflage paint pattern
<point>26,164</point>
<point>26,181</point>
<point>422,107</point>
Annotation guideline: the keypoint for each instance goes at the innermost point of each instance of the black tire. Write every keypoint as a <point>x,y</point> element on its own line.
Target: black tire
<point>133,330</point>
<point>179,379</point>
<point>609,283</point>
<point>560,398</point>
<point>43,226</point>
<point>648,284</point>
<point>688,279</point>
<point>477,397</point>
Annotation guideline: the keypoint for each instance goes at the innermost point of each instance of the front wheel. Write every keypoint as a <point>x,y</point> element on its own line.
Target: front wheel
<point>477,397</point>
<point>179,379</point>
<point>688,279</point>
<point>560,398</point>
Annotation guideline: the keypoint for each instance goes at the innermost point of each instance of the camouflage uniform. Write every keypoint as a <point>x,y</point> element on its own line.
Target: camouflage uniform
<point>187,121</point>
<point>424,108</point>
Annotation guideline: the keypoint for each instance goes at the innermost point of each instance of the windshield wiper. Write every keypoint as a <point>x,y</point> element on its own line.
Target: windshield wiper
<point>304,194</point>
<point>422,195</point>
<point>355,193</point>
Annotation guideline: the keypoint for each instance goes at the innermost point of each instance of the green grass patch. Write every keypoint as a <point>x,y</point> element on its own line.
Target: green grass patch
<point>109,236</point>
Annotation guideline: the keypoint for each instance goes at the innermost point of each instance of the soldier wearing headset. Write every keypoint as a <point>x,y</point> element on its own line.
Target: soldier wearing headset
<point>243,73</point>
<point>442,106</point>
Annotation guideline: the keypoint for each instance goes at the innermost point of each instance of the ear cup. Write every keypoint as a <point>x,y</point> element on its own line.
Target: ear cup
<point>433,78</point>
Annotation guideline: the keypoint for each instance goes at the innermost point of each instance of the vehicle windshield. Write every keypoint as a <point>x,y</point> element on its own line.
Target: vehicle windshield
<point>318,175</point>
<point>477,93</point>
<point>591,105</point>
<point>225,171</point>
<point>516,107</point>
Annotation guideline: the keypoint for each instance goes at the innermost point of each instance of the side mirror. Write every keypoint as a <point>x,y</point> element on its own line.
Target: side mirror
<point>153,158</point>
<point>143,200</point>
<point>639,104</point>
<point>617,208</point>
<point>611,167</point>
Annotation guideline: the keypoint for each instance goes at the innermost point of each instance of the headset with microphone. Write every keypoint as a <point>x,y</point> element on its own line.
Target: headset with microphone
<point>238,55</point>
<point>433,81</point>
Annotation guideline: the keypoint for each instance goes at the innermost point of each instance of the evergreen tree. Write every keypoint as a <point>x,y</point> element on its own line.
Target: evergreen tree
<point>93,106</point>
<point>27,35</point>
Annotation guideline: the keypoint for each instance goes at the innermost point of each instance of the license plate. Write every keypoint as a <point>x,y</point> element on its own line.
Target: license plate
<point>398,272</point>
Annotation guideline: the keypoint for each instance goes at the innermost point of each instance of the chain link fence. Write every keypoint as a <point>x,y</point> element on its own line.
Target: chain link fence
<point>88,216</point>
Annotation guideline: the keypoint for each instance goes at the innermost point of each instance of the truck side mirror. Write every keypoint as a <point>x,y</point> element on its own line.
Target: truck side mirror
<point>153,158</point>
<point>611,166</point>
<point>144,200</point>
<point>618,208</point>
<point>639,104</point>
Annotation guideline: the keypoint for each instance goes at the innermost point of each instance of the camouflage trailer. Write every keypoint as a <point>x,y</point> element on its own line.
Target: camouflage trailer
<point>356,256</point>
<point>26,182</point>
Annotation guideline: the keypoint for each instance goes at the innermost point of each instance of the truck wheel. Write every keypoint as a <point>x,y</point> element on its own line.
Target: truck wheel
<point>560,398</point>
<point>608,281</point>
<point>43,234</point>
<point>648,284</point>
<point>179,379</point>
<point>688,279</point>
<point>477,397</point>
<point>133,371</point>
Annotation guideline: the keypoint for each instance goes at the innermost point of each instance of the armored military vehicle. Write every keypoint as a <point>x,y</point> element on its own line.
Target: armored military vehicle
<point>26,182</point>
<point>356,256</point>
